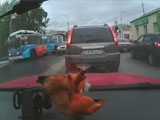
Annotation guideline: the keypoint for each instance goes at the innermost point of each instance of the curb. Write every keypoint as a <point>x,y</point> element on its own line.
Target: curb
<point>4,63</point>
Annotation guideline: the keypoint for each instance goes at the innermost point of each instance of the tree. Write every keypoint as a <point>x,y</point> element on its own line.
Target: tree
<point>32,20</point>
<point>4,29</point>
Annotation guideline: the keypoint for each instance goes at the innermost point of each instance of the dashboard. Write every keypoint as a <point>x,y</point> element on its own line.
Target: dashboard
<point>119,105</point>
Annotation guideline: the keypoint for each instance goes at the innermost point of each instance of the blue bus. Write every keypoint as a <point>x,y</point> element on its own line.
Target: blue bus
<point>25,44</point>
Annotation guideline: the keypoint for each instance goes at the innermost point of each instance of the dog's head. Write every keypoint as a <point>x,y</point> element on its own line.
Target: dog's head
<point>55,83</point>
<point>77,80</point>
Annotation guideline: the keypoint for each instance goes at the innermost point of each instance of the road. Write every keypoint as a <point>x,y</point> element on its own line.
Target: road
<point>49,64</point>
<point>52,64</point>
<point>138,66</point>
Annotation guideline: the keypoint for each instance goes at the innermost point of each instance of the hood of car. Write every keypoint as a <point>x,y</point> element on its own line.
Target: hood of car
<point>119,79</point>
<point>95,79</point>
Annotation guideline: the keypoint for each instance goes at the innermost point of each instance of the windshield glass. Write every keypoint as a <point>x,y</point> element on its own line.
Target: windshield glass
<point>91,35</point>
<point>116,42</point>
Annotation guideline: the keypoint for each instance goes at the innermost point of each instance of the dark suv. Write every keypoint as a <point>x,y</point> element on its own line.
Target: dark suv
<point>92,47</point>
<point>147,46</point>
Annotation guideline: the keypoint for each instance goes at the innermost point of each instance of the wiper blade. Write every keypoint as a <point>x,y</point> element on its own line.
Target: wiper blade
<point>23,6</point>
<point>138,86</point>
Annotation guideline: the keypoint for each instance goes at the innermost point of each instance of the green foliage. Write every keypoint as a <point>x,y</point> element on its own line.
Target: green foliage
<point>4,31</point>
<point>31,20</point>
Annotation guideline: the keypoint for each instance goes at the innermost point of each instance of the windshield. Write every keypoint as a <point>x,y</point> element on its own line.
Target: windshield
<point>116,42</point>
<point>91,35</point>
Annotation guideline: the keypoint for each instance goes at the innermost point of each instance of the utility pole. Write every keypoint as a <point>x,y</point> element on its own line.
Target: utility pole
<point>11,17</point>
<point>67,21</point>
<point>10,24</point>
<point>143,7</point>
<point>121,22</point>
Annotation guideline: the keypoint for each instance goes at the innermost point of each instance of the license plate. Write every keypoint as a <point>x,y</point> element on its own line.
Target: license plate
<point>92,52</point>
<point>83,66</point>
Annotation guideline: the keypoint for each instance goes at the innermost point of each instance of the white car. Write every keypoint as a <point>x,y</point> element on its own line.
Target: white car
<point>124,44</point>
<point>61,49</point>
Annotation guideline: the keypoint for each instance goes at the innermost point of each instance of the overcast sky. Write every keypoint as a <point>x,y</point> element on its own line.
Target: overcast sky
<point>87,12</point>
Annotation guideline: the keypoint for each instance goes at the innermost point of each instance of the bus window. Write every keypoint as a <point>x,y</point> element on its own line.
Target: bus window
<point>24,40</point>
<point>60,39</point>
<point>34,40</point>
<point>16,43</point>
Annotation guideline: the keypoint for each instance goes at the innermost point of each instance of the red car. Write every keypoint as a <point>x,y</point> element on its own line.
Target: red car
<point>127,96</point>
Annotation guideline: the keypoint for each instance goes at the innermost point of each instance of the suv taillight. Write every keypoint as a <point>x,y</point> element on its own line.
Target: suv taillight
<point>157,44</point>
<point>68,43</point>
<point>114,35</point>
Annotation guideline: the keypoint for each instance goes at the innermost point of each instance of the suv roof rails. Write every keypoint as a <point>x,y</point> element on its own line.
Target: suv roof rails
<point>95,25</point>
<point>75,26</point>
<point>106,24</point>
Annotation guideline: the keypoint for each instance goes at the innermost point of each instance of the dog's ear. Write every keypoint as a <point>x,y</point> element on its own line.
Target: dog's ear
<point>41,79</point>
<point>80,76</point>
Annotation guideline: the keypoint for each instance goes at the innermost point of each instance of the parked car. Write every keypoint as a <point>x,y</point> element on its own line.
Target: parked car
<point>124,44</point>
<point>147,46</point>
<point>92,47</point>
<point>61,49</point>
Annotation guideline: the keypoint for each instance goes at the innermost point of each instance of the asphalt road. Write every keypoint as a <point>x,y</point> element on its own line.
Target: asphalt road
<point>138,66</point>
<point>24,68</point>
<point>52,64</point>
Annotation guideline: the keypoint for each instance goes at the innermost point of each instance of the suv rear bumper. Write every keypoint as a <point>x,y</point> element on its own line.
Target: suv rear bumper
<point>111,59</point>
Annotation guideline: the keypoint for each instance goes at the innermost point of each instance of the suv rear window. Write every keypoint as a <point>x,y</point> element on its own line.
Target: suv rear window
<point>91,35</point>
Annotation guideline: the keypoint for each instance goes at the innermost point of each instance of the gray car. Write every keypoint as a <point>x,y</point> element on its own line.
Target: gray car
<point>61,48</point>
<point>124,44</point>
<point>92,47</point>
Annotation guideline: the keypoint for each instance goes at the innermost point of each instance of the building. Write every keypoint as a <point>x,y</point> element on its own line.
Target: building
<point>124,31</point>
<point>148,23</point>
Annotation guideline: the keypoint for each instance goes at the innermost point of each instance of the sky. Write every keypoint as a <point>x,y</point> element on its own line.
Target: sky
<point>91,12</point>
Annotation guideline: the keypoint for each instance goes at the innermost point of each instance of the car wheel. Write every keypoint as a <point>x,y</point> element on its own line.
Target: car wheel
<point>132,54</point>
<point>151,59</point>
<point>60,53</point>
<point>33,54</point>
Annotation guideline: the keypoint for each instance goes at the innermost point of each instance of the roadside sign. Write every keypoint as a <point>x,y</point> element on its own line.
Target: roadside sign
<point>140,22</point>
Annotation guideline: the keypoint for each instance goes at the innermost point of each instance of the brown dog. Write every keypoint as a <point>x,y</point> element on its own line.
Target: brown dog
<point>66,93</point>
